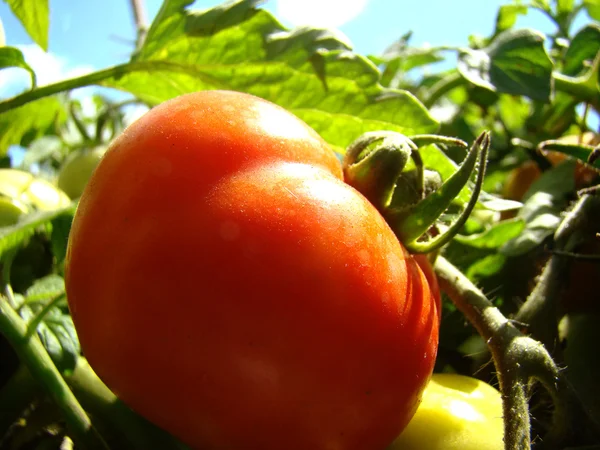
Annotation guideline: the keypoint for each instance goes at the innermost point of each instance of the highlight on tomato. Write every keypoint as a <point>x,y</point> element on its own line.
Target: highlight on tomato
<point>228,285</point>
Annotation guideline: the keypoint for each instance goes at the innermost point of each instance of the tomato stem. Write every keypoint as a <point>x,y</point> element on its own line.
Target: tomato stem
<point>498,332</point>
<point>519,359</point>
<point>102,403</point>
<point>33,354</point>
<point>539,310</point>
<point>374,172</point>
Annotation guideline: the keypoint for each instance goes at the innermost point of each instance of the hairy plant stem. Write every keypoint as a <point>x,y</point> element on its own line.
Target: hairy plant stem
<point>540,309</point>
<point>510,350</point>
<point>33,354</point>
<point>519,359</point>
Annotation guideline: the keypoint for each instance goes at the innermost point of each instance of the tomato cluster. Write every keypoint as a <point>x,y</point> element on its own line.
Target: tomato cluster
<point>227,284</point>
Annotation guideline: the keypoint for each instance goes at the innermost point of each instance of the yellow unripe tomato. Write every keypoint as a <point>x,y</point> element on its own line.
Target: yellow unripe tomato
<point>21,193</point>
<point>457,413</point>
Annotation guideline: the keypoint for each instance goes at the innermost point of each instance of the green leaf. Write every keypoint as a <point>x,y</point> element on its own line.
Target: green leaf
<point>400,59</point>
<point>32,119</point>
<point>498,204</point>
<point>558,182</point>
<point>515,63</point>
<point>34,15</point>
<point>57,333</point>
<point>543,222</point>
<point>555,118</point>
<point>312,73</point>
<point>544,201</point>
<point>486,267</point>
<point>14,236</point>
<point>582,152</point>
<point>564,7</point>
<point>593,8</point>
<point>61,227</point>
<point>583,48</point>
<point>495,236</point>
<point>13,57</point>
<point>542,4</point>
<point>45,289</point>
<point>435,159</point>
<point>507,16</point>
<point>513,111</point>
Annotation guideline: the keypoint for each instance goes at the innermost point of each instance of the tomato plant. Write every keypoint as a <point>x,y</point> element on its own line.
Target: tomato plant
<point>271,256</point>
<point>293,309</point>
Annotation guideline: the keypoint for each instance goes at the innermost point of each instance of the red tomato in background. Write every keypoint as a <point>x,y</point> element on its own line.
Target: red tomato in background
<point>228,285</point>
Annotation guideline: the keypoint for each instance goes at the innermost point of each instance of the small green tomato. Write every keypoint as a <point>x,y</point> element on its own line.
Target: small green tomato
<point>77,170</point>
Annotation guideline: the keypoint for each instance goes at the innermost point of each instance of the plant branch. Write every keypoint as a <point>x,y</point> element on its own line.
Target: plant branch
<point>103,75</point>
<point>540,309</point>
<point>34,356</point>
<point>517,358</point>
<point>102,402</point>
<point>141,22</point>
<point>442,87</point>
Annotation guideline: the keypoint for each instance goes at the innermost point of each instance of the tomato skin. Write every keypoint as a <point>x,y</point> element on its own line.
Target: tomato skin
<point>234,290</point>
<point>425,265</point>
<point>457,413</point>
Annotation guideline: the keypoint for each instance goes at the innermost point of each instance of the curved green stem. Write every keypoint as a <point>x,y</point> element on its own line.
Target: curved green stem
<point>62,86</point>
<point>498,332</point>
<point>37,319</point>
<point>442,87</point>
<point>540,309</point>
<point>585,87</point>
<point>518,359</point>
<point>33,354</point>
<point>98,77</point>
<point>100,401</point>
<point>79,122</point>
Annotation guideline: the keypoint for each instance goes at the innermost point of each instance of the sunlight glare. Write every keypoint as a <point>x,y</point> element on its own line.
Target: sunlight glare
<point>320,13</point>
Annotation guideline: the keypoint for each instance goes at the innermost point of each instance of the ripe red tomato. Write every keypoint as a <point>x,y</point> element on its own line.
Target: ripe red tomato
<point>228,285</point>
<point>434,287</point>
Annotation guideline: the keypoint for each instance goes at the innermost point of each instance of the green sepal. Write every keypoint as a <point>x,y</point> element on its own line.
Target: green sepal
<point>411,225</point>
<point>583,152</point>
<point>422,140</point>
<point>374,172</point>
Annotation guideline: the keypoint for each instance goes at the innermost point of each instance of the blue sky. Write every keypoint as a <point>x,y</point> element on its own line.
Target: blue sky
<point>92,34</point>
